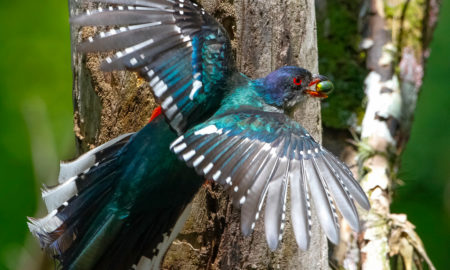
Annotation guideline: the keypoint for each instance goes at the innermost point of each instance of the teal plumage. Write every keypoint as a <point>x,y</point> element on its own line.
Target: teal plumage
<point>135,193</point>
<point>121,204</point>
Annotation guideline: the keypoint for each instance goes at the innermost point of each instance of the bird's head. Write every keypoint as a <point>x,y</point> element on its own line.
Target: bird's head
<point>287,86</point>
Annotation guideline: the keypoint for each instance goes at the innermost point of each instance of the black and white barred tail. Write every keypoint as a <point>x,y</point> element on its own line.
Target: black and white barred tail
<point>84,184</point>
<point>112,210</point>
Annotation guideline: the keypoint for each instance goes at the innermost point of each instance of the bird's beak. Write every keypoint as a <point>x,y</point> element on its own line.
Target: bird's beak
<point>320,86</point>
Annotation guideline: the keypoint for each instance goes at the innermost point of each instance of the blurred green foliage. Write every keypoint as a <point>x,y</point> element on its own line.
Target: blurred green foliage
<point>36,120</point>
<point>341,60</point>
<point>35,94</point>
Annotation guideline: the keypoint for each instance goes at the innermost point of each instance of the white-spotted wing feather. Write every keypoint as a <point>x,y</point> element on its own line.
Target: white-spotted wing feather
<point>261,156</point>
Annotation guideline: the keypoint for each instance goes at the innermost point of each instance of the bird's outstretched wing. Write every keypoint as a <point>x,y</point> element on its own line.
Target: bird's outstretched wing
<point>259,155</point>
<point>182,52</point>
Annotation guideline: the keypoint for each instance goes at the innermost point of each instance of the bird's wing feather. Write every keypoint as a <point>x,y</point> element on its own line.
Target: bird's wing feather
<point>259,155</point>
<point>182,52</point>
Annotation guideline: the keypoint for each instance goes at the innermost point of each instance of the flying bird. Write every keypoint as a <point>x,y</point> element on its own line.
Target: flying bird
<point>120,205</point>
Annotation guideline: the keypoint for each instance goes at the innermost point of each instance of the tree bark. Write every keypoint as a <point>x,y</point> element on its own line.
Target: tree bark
<point>401,33</point>
<point>265,35</point>
<point>395,37</point>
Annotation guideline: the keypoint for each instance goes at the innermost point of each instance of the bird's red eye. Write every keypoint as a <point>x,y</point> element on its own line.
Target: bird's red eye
<point>297,81</point>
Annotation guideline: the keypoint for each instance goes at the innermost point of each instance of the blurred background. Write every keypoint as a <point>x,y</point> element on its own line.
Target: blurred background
<point>36,130</point>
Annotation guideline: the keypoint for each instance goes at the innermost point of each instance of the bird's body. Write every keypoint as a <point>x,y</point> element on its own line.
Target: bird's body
<point>151,191</point>
<point>127,206</point>
<point>117,205</point>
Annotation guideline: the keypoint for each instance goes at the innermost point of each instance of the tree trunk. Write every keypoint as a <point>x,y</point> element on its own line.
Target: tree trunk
<point>265,35</point>
<point>401,33</point>
<point>395,38</point>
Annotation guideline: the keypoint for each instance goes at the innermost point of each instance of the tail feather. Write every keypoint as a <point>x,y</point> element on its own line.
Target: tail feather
<point>113,213</point>
<point>144,242</point>
<point>58,230</point>
<point>72,175</point>
<point>43,227</point>
<point>83,163</point>
<point>55,196</point>
<point>82,211</point>
<point>95,241</point>
<point>153,259</point>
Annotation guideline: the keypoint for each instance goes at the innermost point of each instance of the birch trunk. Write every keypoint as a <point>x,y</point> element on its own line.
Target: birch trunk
<point>401,33</point>
<point>395,37</point>
<point>265,35</point>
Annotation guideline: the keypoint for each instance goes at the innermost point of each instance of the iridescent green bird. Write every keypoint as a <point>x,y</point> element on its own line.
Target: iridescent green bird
<point>120,205</point>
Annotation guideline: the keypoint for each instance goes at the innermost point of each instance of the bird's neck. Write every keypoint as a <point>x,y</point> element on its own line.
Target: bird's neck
<point>246,93</point>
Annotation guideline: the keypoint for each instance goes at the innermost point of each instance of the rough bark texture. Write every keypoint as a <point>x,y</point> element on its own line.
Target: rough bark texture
<point>395,39</point>
<point>265,35</point>
<point>106,104</point>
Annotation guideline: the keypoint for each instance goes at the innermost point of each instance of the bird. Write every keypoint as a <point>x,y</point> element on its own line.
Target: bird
<point>120,205</point>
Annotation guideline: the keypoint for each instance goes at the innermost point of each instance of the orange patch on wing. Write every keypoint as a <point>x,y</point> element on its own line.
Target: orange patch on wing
<point>156,112</point>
